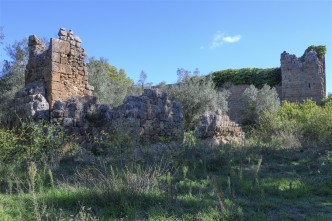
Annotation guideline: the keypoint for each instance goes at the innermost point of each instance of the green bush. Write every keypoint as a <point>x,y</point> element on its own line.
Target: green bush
<point>327,100</point>
<point>197,96</point>
<point>308,123</point>
<point>256,101</point>
<point>42,143</point>
<point>255,76</point>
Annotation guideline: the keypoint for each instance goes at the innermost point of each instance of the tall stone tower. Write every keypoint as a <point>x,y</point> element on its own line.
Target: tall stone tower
<point>60,68</point>
<point>57,72</point>
<point>304,77</point>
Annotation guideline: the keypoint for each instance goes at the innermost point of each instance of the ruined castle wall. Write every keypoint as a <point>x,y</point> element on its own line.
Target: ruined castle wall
<point>303,78</point>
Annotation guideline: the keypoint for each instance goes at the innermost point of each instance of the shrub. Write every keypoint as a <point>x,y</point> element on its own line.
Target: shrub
<point>307,122</point>
<point>42,143</point>
<point>197,96</point>
<point>256,101</point>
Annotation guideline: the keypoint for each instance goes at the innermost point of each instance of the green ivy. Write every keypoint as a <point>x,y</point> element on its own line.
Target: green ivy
<point>255,76</point>
<point>320,50</point>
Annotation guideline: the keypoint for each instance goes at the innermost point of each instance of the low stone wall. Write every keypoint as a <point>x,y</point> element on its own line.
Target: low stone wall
<point>150,117</point>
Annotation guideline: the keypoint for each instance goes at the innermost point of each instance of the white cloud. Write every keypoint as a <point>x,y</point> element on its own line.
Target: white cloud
<point>220,38</point>
<point>217,40</point>
<point>232,39</point>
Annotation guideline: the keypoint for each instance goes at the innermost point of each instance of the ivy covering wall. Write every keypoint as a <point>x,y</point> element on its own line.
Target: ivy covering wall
<point>258,76</point>
<point>255,76</point>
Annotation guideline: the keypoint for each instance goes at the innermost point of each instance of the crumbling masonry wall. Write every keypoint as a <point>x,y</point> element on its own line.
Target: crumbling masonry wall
<point>149,117</point>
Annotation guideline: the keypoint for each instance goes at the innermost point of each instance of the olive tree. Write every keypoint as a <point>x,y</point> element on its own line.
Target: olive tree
<point>256,101</point>
<point>111,86</point>
<point>197,95</point>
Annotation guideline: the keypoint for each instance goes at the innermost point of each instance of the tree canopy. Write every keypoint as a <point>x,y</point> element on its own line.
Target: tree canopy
<point>111,85</point>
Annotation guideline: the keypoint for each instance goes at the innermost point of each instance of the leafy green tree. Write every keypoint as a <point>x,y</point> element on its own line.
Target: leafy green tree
<point>111,85</point>
<point>12,75</point>
<point>327,100</point>
<point>197,96</point>
<point>256,101</point>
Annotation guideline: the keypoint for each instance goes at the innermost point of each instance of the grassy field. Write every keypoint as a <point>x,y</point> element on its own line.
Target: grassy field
<point>177,182</point>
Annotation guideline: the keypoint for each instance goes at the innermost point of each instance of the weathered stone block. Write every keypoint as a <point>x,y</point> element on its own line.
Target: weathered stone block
<point>55,57</point>
<point>56,76</point>
<point>60,46</point>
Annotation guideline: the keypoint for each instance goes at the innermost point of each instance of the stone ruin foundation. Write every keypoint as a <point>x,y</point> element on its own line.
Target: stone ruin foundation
<point>57,90</point>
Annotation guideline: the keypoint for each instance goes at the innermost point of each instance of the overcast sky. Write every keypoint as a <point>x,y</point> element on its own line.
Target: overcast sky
<point>163,35</point>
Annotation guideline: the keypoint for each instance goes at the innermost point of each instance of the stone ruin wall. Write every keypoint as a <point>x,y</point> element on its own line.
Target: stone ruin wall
<point>57,90</point>
<point>149,117</point>
<point>301,79</point>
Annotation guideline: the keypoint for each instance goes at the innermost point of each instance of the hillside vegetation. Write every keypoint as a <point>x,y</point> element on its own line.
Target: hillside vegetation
<point>283,172</point>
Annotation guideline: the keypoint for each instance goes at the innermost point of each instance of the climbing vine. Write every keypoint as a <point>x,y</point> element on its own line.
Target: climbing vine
<point>255,76</point>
